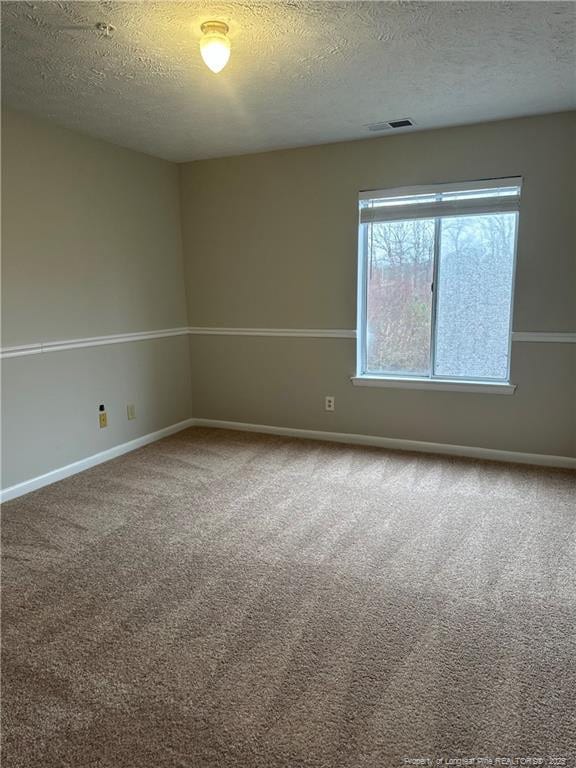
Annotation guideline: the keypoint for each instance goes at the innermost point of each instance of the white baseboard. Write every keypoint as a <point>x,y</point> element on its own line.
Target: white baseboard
<point>491,454</point>
<point>91,461</point>
<point>310,434</point>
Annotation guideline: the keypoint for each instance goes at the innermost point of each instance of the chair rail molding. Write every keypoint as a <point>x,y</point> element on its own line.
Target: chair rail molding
<point>41,347</point>
<point>309,333</point>
<point>545,336</point>
<point>90,341</point>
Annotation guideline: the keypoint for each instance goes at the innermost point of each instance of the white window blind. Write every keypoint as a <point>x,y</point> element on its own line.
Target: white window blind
<point>440,200</point>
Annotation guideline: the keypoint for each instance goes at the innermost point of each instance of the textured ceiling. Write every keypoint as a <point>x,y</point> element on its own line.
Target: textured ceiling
<point>300,72</point>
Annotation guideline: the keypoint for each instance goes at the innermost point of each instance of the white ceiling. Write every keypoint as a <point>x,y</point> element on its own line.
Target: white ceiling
<point>300,72</point>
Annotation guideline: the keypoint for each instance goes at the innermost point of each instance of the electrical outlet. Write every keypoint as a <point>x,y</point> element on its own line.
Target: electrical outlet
<point>329,403</point>
<point>131,411</point>
<point>103,417</point>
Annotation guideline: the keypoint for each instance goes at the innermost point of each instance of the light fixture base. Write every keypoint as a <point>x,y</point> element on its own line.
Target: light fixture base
<point>214,27</point>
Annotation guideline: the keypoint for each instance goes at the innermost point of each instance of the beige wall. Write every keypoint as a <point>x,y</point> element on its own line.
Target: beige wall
<point>50,414</point>
<point>91,245</point>
<point>91,240</point>
<point>270,241</point>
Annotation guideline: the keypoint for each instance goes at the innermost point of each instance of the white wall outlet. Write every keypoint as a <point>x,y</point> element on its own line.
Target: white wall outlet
<point>329,403</point>
<point>131,411</point>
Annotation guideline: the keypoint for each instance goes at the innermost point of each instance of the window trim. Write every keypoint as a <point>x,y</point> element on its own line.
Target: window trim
<point>448,385</point>
<point>507,205</point>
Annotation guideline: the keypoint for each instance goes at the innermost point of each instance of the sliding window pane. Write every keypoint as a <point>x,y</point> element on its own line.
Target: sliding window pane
<point>476,260</point>
<point>399,268</point>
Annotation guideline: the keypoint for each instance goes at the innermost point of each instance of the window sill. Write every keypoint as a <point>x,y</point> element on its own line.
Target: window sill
<point>485,387</point>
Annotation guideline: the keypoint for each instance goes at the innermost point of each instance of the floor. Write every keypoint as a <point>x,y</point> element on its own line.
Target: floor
<point>249,601</point>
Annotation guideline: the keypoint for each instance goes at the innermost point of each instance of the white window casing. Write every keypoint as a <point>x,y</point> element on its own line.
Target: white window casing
<point>438,201</point>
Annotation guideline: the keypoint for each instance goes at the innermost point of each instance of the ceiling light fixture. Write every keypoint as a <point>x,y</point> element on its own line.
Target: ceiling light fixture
<point>215,45</point>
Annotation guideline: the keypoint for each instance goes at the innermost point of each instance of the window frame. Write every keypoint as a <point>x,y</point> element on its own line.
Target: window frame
<point>451,383</point>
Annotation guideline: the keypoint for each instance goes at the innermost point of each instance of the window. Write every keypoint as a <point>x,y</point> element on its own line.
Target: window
<point>436,273</point>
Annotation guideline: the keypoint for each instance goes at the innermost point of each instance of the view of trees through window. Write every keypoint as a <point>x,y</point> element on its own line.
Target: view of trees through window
<point>472,323</point>
<point>399,301</point>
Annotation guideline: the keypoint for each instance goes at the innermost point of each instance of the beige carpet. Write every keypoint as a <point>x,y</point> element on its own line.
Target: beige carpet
<point>246,601</point>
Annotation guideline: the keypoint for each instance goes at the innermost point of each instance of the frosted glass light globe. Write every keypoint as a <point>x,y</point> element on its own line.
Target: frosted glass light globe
<point>215,45</point>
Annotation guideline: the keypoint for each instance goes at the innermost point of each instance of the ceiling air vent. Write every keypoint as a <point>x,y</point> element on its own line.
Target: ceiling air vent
<point>405,122</point>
